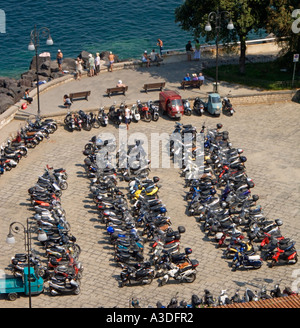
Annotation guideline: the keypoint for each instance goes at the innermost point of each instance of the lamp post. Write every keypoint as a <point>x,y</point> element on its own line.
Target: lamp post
<point>33,45</point>
<point>16,227</point>
<point>216,18</point>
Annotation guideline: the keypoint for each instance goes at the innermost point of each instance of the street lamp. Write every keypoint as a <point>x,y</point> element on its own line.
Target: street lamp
<point>16,227</point>
<point>33,45</point>
<point>216,18</point>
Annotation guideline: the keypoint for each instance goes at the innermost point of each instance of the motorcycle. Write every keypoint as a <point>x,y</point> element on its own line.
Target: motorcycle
<point>135,113</point>
<point>154,110</point>
<point>144,111</point>
<point>227,106</point>
<point>285,253</point>
<point>187,108</point>
<point>140,273</point>
<point>115,116</point>
<point>198,107</point>
<point>102,117</point>
<point>245,260</point>
<point>64,286</point>
<point>184,274</point>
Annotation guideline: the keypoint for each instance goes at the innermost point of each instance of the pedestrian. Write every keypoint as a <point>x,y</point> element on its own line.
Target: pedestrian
<point>160,44</point>
<point>187,77</point>
<point>120,84</point>
<point>59,59</point>
<point>197,50</point>
<point>127,116</point>
<point>67,101</point>
<point>97,63</point>
<point>78,66</point>
<point>111,58</point>
<point>91,65</point>
<point>189,50</point>
<point>194,77</point>
<point>201,78</point>
<point>26,97</point>
<point>145,58</point>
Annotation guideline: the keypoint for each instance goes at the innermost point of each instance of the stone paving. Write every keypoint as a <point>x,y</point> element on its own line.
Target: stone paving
<point>269,135</point>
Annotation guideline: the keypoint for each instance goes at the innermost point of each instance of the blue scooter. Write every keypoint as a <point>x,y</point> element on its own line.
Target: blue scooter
<point>247,261</point>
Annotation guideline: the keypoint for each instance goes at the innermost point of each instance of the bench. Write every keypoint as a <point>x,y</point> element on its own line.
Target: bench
<point>157,85</point>
<point>191,84</point>
<point>79,95</point>
<point>110,91</point>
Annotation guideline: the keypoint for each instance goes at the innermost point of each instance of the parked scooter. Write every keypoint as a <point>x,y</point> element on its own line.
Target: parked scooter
<point>141,273</point>
<point>227,106</point>
<point>102,117</point>
<point>285,253</point>
<point>198,107</point>
<point>154,110</point>
<point>187,107</point>
<point>247,261</point>
<point>64,286</point>
<point>185,274</point>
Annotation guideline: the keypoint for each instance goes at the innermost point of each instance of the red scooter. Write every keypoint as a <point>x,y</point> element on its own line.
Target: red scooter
<point>285,252</point>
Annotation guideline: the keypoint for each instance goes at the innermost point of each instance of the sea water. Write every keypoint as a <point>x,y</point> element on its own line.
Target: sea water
<point>127,28</point>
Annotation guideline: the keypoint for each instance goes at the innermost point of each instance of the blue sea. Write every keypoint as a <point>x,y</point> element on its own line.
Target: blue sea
<point>127,28</point>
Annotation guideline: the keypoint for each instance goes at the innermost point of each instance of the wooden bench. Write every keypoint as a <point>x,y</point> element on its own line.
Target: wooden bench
<point>157,85</point>
<point>79,95</point>
<point>110,91</point>
<point>191,84</point>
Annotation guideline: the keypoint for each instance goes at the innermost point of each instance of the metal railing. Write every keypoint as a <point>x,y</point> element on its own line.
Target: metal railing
<point>211,46</point>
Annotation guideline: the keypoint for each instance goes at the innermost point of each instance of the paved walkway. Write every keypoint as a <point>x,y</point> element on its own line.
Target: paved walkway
<point>269,135</point>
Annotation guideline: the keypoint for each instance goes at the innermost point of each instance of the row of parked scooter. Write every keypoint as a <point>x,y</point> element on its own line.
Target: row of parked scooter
<point>61,268</point>
<point>29,136</point>
<point>131,228</point>
<point>223,299</point>
<point>116,115</point>
<point>221,199</point>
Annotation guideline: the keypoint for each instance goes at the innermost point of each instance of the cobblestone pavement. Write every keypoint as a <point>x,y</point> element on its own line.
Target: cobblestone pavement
<point>269,135</point>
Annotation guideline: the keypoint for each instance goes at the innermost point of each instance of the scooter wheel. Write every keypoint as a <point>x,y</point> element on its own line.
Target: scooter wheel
<point>163,282</point>
<point>77,291</point>
<point>273,262</point>
<point>190,278</point>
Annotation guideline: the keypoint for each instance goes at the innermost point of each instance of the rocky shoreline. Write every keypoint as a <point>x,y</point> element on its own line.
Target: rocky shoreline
<point>12,90</point>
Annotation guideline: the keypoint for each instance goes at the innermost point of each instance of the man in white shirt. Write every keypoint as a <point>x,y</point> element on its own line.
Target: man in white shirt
<point>201,78</point>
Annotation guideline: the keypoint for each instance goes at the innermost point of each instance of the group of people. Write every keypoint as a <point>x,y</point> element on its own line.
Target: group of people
<point>194,77</point>
<point>154,56</point>
<point>190,50</point>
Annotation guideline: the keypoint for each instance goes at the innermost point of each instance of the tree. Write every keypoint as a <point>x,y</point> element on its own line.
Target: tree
<point>247,15</point>
<point>284,23</point>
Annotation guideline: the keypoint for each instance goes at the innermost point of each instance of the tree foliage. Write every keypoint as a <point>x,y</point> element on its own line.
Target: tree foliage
<point>280,23</point>
<point>247,15</point>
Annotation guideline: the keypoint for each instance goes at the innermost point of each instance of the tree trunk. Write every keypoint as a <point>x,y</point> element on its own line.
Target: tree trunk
<point>242,60</point>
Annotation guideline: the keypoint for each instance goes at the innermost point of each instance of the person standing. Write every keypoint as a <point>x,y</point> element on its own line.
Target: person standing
<point>91,65</point>
<point>59,59</point>
<point>160,44</point>
<point>97,63</point>
<point>197,50</point>
<point>127,116</point>
<point>189,50</point>
<point>111,58</point>
<point>78,65</point>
